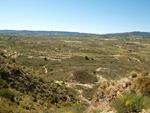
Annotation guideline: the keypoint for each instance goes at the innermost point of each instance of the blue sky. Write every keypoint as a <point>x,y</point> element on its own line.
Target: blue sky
<point>90,16</point>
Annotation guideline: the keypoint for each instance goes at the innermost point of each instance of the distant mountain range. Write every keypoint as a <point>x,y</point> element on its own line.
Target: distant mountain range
<point>29,32</point>
<point>135,33</point>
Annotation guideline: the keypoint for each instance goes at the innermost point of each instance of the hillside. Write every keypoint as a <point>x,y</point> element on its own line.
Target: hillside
<point>72,73</point>
<point>23,90</point>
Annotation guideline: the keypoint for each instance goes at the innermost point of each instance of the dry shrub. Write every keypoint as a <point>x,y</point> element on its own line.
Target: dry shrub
<point>133,74</point>
<point>141,85</point>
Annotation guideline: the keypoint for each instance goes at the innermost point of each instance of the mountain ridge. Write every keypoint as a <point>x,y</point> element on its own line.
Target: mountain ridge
<point>31,32</point>
<point>40,32</point>
<point>136,33</point>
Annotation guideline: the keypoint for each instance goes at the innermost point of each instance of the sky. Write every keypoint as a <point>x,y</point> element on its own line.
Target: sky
<point>86,16</point>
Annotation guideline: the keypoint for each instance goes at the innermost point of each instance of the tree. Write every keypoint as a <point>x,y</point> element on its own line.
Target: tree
<point>87,58</point>
<point>45,59</point>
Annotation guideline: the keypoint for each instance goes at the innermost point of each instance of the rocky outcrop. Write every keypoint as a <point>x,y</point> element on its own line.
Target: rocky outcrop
<point>108,91</point>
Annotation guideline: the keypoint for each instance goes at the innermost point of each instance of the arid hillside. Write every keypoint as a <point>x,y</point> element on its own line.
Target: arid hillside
<point>73,72</point>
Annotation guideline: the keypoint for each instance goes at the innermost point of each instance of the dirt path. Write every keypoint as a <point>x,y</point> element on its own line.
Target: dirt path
<point>71,84</point>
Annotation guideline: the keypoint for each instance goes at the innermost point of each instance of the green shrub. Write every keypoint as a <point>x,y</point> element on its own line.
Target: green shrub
<point>7,94</point>
<point>131,103</point>
<point>87,58</point>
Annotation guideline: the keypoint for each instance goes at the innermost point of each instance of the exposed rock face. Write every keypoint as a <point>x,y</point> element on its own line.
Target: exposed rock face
<point>108,91</point>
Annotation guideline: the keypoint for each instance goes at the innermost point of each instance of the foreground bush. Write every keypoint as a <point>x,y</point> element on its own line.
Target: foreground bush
<point>131,103</point>
<point>141,85</point>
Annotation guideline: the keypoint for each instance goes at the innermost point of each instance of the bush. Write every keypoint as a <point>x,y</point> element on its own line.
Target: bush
<point>131,103</point>
<point>141,85</point>
<point>133,74</point>
<point>7,94</point>
<point>87,58</point>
